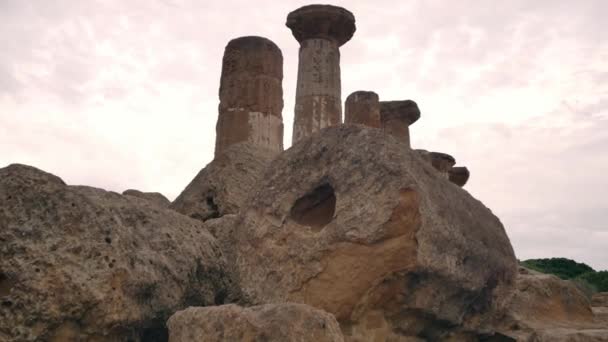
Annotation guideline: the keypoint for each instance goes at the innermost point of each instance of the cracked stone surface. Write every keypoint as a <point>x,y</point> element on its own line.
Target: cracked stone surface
<point>351,222</point>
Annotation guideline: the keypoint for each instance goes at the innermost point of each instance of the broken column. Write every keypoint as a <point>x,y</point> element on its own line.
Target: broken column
<point>397,116</point>
<point>362,107</point>
<point>251,95</point>
<point>320,30</point>
<point>442,162</point>
<point>459,175</point>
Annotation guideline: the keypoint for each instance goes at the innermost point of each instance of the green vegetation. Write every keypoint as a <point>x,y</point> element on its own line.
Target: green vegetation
<point>561,267</point>
<point>581,273</point>
<point>598,279</point>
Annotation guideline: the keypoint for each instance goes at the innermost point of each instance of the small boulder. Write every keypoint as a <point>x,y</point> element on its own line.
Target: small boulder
<point>544,307</point>
<point>271,322</point>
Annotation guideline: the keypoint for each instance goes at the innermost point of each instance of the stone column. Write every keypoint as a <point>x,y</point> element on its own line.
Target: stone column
<point>251,95</point>
<point>397,116</point>
<point>362,107</point>
<point>320,30</point>
<point>459,175</point>
<point>442,162</point>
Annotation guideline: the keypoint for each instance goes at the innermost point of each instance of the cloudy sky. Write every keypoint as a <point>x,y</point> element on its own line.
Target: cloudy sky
<point>123,94</point>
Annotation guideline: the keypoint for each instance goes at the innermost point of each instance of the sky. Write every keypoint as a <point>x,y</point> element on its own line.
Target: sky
<point>123,94</point>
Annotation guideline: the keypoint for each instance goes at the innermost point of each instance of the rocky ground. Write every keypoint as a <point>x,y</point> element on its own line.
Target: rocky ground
<point>347,236</point>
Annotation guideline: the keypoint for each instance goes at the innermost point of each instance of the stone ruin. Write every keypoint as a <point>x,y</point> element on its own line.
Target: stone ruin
<point>348,235</point>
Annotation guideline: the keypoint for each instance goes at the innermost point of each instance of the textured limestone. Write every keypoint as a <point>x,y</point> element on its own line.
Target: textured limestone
<point>546,308</point>
<point>82,264</point>
<point>222,187</point>
<point>459,175</point>
<point>272,322</point>
<point>397,116</point>
<point>352,222</point>
<point>320,30</point>
<point>251,95</point>
<point>154,197</point>
<point>363,108</point>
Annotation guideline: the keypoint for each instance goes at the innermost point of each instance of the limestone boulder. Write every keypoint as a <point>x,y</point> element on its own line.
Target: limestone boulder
<point>223,186</point>
<point>283,322</point>
<point>352,222</point>
<point>544,307</point>
<point>154,197</point>
<point>84,264</point>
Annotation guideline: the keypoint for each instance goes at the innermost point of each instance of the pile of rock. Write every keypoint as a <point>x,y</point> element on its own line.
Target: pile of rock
<point>349,235</point>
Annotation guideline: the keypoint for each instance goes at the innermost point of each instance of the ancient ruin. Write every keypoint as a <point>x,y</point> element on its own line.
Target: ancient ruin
<point>348,235</point>
<point>251,95</point>
<point>459,175</point>
<point>397,116</point>
<point>362,107</point>
<point>320,30</point>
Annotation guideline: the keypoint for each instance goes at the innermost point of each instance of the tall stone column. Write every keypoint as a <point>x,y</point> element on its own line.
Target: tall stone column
<point>251,95</point>
<point>397,116</point>
<point>362,107</point>
<point>320,30</point>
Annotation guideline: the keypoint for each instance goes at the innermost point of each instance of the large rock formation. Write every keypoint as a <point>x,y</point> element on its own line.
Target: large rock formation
<point>354,223</point>
<point>83,264</point>
<point>271,322</point>
<point>223,186</point>
<point>320,30</point>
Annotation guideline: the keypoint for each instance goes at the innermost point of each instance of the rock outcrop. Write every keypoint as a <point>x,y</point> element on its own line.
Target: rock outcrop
<point>223,186</point>
<point>544,307</point>
<point>83,264</point>
<point>154,197</point>
<point>272,322</point>
<point>352,222</point>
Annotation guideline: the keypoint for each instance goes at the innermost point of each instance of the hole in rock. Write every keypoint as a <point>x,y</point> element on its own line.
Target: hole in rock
<point>315,209</point>
<point>6,284</point>
<point>215,211</point>
<point>108,240</point>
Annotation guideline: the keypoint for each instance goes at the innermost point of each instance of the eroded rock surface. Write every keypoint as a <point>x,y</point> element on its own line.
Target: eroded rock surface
<point>546,308</point>
<point>223,186</point>
<point>154,197</point>
<point>83,264</point>
<point>352,222</point>
<point>272,322</point>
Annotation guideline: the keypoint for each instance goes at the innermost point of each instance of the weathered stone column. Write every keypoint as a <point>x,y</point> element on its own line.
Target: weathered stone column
<point>251,95</point>
<point>397,116</point>
<point>442,162</point>
<point>320,30</point>
<point>362,107</point>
